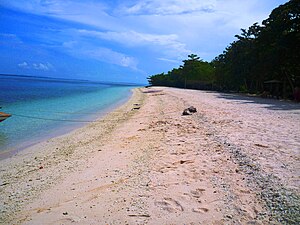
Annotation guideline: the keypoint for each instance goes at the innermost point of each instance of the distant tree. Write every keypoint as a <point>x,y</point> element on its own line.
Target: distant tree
<point>194,73</point>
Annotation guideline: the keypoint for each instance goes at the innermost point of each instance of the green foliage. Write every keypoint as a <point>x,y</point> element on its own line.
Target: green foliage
<point>194,73</point>
<point>270,52</point>
<point>264,58</point>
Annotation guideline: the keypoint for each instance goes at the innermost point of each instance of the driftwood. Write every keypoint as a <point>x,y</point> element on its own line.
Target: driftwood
<point>136,108</point>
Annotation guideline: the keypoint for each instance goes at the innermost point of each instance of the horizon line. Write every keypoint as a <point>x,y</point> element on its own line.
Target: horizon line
<point>71,79</point>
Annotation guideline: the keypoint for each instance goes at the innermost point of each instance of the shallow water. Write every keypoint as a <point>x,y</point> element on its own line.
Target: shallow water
<point>42,107</point>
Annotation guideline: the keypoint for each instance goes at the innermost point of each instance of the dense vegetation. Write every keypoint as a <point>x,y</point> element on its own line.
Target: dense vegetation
<point>194,73</point>
<point>265,59</point>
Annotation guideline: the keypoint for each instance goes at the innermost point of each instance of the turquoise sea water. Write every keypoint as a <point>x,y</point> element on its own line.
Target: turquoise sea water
<point>45,107</point>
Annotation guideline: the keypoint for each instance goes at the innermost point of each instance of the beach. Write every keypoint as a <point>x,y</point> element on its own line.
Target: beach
<point>50,107</point>
<point>234,161</point>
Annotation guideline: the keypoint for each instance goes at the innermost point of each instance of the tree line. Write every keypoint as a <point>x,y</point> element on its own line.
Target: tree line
<point>264,59</point>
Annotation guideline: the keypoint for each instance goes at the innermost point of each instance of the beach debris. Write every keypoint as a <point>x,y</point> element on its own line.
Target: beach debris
<point>260,145</point>
<point>137,106</point>
<point>3,184</point>
<point>186,112</point>
<point>139,215</point>
<point>151,91</point>
<point>192,109</point>
<point>189,111</point>
<point>65,213</point>
<point>4,116</point>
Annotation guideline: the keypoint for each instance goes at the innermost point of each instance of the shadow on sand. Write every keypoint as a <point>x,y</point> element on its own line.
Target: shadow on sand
<point>272,104</point>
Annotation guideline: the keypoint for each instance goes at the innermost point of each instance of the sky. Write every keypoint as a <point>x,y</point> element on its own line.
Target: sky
<point>118,40</point>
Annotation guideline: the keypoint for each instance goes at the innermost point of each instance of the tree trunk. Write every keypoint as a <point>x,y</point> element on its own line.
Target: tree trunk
<point>289,80</point>
<point>284,89</point>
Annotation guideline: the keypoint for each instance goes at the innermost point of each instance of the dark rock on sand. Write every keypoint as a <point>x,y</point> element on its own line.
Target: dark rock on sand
<point>192,109</point>
<point>186,112</point>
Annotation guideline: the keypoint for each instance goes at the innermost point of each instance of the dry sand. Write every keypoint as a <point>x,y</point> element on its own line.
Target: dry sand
<point>235,161</point>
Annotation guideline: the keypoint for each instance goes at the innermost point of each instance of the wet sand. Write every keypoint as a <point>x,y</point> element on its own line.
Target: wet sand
<point>234,161</point>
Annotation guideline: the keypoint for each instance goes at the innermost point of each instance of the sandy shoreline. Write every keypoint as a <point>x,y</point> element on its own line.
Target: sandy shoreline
<point>234,161</point>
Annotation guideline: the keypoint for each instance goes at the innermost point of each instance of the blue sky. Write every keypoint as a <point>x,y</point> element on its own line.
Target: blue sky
<point>118,40</point>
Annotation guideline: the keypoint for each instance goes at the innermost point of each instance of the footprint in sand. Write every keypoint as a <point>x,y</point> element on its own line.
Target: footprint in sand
<point>166,168</point>
<point>169,205</point>
<point>180,162</point>
<point>174,165</point>
<point>200,210</point>
<point>198,192</point>
<point>193,175</point>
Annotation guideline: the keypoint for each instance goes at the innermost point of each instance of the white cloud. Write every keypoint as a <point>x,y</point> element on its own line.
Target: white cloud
<point>132,38</point>
<point>42,66</point>
<point>9,39</point>
<point>166,44</point>
<point>8,36</point>
<point>23,65</point>
<point>171,29</point>
<point>116,15</point>
<point>169,60</point>
<point>84,12</point>
<point>168,7</point>
<point>110,56</point>
<point>36,66</point>
<point>70,44</point>
<point>83,49</point>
